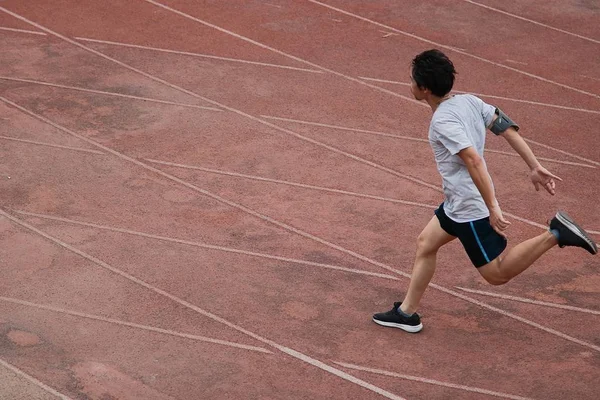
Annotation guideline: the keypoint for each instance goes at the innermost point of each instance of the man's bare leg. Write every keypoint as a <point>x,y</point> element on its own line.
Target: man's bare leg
<point>429,242</point>
<point>403,315</point>
<point>517,259</point>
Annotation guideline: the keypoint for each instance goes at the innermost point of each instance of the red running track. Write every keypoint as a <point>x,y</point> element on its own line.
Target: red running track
<point>209,201</point>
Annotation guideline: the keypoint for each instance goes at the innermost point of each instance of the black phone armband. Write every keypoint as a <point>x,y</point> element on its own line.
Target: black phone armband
<point>502,123</point>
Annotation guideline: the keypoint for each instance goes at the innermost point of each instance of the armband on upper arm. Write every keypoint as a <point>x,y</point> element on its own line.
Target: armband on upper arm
<point>502,123</point>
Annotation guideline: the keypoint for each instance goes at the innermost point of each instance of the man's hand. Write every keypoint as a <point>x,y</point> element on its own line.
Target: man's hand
<point>497,220</point>
<point>540,176</point>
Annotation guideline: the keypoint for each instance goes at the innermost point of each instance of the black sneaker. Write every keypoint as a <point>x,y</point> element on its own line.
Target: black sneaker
<point>394,319</point>
<point>571,234</point>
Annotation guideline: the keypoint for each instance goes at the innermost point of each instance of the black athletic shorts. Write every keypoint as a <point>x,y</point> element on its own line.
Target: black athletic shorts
<point>481,242</point>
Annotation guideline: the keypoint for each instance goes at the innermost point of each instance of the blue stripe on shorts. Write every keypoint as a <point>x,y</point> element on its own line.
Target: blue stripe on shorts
<point>481,242</point>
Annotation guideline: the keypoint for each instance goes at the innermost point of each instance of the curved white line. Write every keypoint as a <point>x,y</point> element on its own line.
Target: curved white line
<point>186,53</point>
<point>156,79</point>
<point>562,151</point>
<point>432,381</point>
<point>214,317</point>
<point>264,46</point>
<point>344,128</point>
<point>530,301</point>
<point>4,28</point>
<point>362,82</point>
<point>417,139</point>
<point>485,60</point>
<point>205,245</point>
<point>532,21</point>
<point>31,379</point>
<point>246,209</point>
<point>128,96</point>
<point>295,184</point>
<point>152,77</point>
<point>550,160</point>
<point>536,103</point>
<point>58,146</point>
<point>285,226</point>
<point>137,326</point>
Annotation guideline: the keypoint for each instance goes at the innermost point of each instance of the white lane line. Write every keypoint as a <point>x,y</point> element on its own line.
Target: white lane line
<point>205,245</point>
<point>518,318</point>
<point>343,128</point>
<point>58,146</point>
<point>591,77</point>
<point>456,48</point>
<point>264,46</point>
<point>4,28</point>
<point>550,160</point>
<point>137,326</point>
<point>252,212</point>
<point>536,103</point>
<point>524,101</point>
<point>412,138</point>
<point>290,228</point>
<point>485,60</point>
<point>532,21</point>
<point>530,301</point>
<point>261,121</point>
<point>295,184</point>
<point>563,152</point>
<point>128,96</point>
<point>185,53</point>
<point>31,379</point>
<point>515,62</point>
<point>545,227</point>
<point>214,317</point>
<point>432,381</point>
<point>362,82</point>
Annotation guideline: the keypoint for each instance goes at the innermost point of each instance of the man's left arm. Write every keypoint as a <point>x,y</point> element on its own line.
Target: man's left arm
<point>538,174</point>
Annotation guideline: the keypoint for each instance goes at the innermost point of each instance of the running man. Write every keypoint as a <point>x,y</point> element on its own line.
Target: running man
<point>470,211</point>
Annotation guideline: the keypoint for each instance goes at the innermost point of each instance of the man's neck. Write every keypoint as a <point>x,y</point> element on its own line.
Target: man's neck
<point>435,101</point>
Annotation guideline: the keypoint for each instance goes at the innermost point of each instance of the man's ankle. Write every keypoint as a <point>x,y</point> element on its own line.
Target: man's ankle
<point>406,311</point>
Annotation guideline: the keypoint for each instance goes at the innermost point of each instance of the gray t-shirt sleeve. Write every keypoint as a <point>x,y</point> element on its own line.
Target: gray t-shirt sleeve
<point>451,134</point>
<point>487,112</point>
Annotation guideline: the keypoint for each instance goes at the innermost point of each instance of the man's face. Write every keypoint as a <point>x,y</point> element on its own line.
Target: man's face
<point>418,93</point>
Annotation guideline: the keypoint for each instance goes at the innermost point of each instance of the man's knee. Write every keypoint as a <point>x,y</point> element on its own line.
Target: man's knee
<point>425,245</point>
<point>493,274</point>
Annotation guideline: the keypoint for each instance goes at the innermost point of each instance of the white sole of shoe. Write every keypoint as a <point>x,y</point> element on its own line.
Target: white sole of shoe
<point>577,230</point>
<point>407,328</point>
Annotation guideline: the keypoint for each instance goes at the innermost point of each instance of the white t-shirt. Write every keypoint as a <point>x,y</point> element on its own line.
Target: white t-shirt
<point>458,123</point>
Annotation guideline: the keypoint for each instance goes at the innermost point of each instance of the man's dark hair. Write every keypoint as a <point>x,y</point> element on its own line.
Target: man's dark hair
<point>433,70</point>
